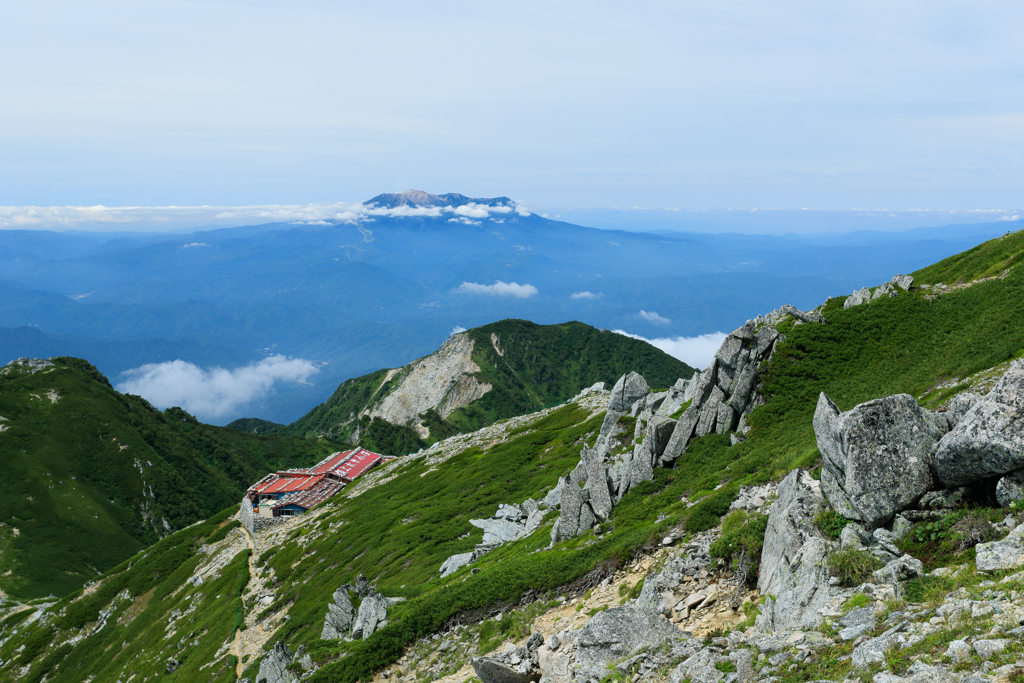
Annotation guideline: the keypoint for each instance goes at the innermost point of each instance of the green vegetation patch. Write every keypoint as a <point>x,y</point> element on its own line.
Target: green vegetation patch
<point>91,474</point>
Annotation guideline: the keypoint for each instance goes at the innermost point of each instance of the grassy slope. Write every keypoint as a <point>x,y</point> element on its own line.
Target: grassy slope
<point>542,365</point>
<point>138,637</point>
<point>399,532</point>
<point>89,479</point>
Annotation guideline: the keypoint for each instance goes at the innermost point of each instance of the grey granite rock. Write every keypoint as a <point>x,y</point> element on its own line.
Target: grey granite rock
<point>274,667</point>
<point>1010,488</point>
<point>597,483</point>
<point>616,633</point>
<point>989,439</point>
<point>902,281</point>
<point>873,650</point>
<point>901,569</point>
<point>876,456</point>
<point>854,536</point>
<point>930,674</point>
<point>340,614</point>
<point>857,298</point>
<point>451,565</point>
<point>958,651</point>
<point>490,670</point>
<point>988,648</point>
<point>628,390</point>
<point>373,614</point>
<point>958,406</point>
<point>794,557</point>
<point>1007,553</point>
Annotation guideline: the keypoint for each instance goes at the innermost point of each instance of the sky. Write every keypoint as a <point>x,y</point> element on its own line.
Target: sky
<point>564,106</point>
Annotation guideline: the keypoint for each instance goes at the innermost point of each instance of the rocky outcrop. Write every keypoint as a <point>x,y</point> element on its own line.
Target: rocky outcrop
<point>617,633</point>
<point>274,667</point>
<point>989,439</point>
<point>345,623</point>
<point>340,615</point>
<point>793,559</point>
<point>876,456</point>
<point>887,289</point>
<point>445,380</point>
<point>509,523</point>
<point>520,665</point>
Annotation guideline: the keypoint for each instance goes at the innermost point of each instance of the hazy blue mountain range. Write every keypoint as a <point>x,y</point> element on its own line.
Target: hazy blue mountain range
<point>382,288</point>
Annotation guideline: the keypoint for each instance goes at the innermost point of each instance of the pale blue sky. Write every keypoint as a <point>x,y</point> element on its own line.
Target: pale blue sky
<point>787,104</point>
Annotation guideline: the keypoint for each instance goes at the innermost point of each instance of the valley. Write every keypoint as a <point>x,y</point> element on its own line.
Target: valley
<point>721,526</point>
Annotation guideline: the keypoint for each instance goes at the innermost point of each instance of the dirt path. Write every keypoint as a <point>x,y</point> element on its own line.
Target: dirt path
<point>237,644</point>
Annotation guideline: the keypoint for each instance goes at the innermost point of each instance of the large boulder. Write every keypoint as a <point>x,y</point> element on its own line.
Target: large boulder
<point>794,558</point>
<point>989,439</point>
<point>876,456</point>
<point>628,390</point>
<point>615,634</point>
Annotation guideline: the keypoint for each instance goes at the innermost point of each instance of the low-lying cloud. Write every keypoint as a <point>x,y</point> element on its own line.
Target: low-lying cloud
<point>212,393</point>
<point>174,217</point>
<point>583,295</point>
<point>697,352</point>
<point>653,317</point>
<point>499,288</point>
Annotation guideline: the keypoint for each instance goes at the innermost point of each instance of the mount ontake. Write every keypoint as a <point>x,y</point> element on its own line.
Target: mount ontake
<point>837,497</point>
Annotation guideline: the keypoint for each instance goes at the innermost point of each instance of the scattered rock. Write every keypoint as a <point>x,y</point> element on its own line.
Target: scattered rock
<point>958,651</point>
<point>1005,554</point>
<point>986,649</point>
<point>616,633</point>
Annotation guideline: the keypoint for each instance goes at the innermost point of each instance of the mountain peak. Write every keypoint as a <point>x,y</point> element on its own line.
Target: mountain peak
<point>419,198</point>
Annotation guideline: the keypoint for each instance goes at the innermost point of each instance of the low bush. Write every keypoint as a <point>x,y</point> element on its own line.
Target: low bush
<point>852,567</point>
<point>741,541</point>
<point>831,523</point>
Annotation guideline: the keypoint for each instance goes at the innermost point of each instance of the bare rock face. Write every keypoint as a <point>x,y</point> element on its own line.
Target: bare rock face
<point>274,667</point>
<point>444,380</point>
<point>627,391</point>
<point>989,439</point>
<point>794,558</point>
<point>343,622</point>
<point>877,456</point>
<point>340,615</point>
<point>614,634</point>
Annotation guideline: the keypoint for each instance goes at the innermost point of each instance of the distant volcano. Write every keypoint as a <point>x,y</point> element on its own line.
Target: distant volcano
<point>419,198</point>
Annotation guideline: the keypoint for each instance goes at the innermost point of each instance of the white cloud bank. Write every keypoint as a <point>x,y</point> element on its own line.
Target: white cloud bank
<point>697,352</point>
<point>212,393</point>
<point>499,288</point>
<point>175,217</point>
<point>583,295</point>
<point>457,329</point>
<point>653,317</point>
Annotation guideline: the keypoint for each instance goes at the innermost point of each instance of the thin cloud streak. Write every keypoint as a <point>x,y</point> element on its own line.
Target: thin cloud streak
<point>499,288</point>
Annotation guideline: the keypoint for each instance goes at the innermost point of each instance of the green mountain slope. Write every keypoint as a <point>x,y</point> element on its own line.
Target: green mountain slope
<point>92,476</point>
<point>398,531</point>
<point>527,366</point>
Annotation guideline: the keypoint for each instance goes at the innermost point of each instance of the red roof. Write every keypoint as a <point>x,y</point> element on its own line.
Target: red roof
<point>332,461</point>
<point>324,489</point>
<point>292,484</point>
<point>357,463</point>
